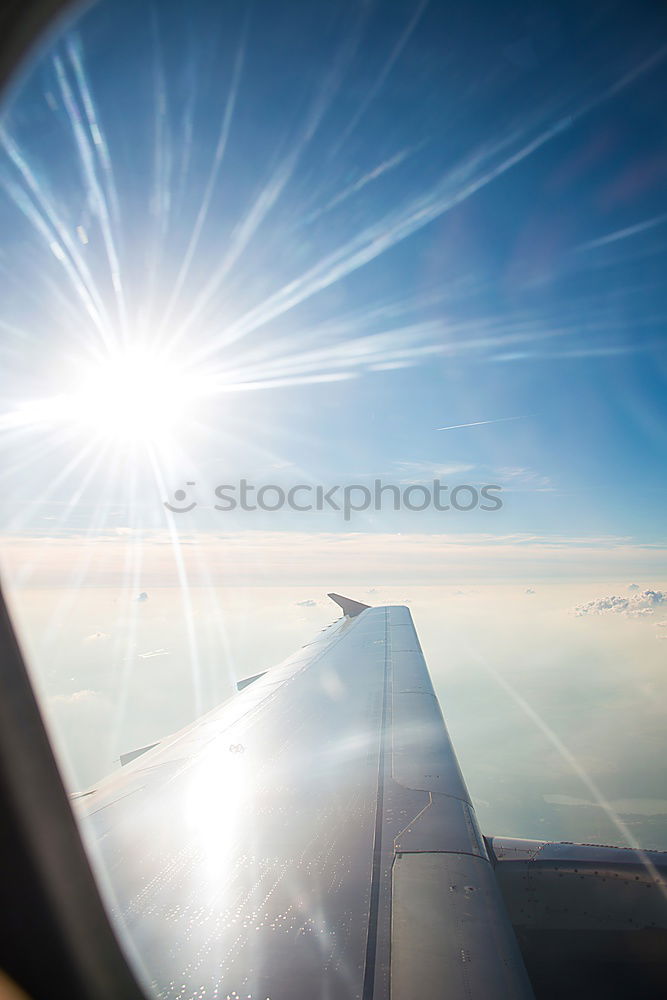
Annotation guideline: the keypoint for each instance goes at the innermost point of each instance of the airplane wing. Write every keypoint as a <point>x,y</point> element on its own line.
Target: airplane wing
<point>586,914</point>
<point>312,838</point>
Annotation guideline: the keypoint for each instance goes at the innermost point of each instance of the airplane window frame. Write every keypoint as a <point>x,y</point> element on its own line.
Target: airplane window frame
<point>55,936</point>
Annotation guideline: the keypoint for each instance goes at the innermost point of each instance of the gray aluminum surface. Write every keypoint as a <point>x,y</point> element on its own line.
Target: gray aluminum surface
<point>447,938</point>
<point>252,855</point>
<point>581,887</point>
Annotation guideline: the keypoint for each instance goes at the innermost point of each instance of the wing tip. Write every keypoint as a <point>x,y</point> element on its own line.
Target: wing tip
<point>349,607</point>
<point>247,681</point>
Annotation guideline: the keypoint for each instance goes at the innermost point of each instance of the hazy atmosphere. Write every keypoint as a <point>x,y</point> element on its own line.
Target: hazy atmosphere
<point>558,716</point>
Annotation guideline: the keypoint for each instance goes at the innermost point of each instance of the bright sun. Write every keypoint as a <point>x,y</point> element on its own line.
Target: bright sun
<point>135,395</point>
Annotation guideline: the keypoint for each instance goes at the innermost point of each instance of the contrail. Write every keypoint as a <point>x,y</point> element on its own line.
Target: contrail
<point>624,234</point>
<point>479,423</point>
<point>367,178</point>
<point>380,81</point>
<point>162,166</point>
<point>48,225</point>
<point>218,157</point>
<point>86,146</point>
<point>455,188</point>
<point>96,132</point>
<point>273,189</point>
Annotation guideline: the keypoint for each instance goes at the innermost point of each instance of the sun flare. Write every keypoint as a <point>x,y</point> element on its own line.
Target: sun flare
<point>134,395</point>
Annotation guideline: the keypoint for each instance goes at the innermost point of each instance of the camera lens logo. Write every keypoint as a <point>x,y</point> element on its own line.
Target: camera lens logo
<point>179,497</point>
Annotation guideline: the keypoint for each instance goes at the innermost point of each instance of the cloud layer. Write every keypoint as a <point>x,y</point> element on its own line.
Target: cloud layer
<point>282,558</point>
<point>638,606</point>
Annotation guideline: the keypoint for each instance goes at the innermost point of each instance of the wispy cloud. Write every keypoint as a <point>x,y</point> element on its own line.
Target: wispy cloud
<point>519,479</point>
<point>423,472</point>
<point>624,807</point>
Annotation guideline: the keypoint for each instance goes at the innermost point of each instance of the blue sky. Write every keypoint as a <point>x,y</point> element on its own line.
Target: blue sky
<point>379,219</point>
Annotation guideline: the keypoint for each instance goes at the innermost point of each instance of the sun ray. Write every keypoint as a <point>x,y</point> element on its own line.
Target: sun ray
<point>581,772</point>
<point>86,150</point>
<point>55,236</point>
<point>209,189</point>
<point>184,588</point>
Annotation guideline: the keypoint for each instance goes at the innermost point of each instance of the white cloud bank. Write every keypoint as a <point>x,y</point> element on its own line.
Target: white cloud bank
<point>639,605</point>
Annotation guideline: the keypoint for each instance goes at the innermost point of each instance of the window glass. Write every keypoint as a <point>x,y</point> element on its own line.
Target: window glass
<point>352,296</point>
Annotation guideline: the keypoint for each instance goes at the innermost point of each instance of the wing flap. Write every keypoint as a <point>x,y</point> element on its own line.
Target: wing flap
<point>450,933</point>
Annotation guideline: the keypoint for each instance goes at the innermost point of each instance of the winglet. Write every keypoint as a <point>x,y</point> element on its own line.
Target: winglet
<point>350,608</point>
<point>125,758</point>
<point>240,685</point>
